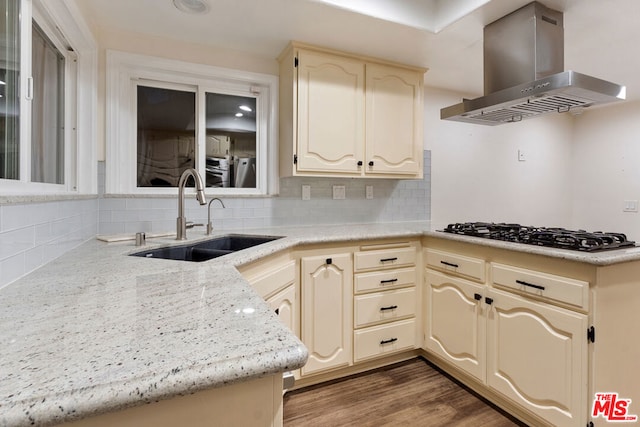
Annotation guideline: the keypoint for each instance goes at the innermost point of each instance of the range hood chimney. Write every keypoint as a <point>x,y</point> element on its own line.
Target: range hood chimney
<point>524,73</point>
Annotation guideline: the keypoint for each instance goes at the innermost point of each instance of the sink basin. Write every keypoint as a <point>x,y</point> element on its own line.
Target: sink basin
<point>207,249</point>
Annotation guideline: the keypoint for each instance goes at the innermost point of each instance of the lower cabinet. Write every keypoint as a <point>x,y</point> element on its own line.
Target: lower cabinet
<point>537,357</point>
<point>385,300</point>
<point>528,350</point>
<point>283,303</point>
<point>455,322</point>
<point>276,280</point>
<point>327,311</point>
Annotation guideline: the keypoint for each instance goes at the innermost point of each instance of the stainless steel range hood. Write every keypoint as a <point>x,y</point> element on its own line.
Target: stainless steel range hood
<point>523,73</point>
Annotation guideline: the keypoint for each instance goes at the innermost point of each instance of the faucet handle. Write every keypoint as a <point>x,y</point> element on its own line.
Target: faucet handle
<point>190,224</point>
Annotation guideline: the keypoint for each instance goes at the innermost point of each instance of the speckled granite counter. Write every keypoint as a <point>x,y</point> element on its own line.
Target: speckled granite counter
<point>96,330</point>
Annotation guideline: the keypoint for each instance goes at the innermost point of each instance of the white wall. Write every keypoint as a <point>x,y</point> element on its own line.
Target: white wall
<point>606,165</point>
<point>476,175</point>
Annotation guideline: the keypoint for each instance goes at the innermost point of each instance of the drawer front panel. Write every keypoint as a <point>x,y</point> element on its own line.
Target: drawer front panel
<point>547,286</point>
<point>456,264</point>
<point>385,258</point>
<point>384,306</point>
<point>384,339</point>
<point>387,279</point>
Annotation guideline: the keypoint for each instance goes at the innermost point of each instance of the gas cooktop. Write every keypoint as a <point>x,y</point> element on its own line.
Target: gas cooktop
<point>577,240</point>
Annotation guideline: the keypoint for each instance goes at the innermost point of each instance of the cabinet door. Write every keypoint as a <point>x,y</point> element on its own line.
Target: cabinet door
<point>393,120</point>
<point>284,305</point>
<point>327,289</point>
<point>454,322</point>
<point>537,356</point>
<point>330,113</point>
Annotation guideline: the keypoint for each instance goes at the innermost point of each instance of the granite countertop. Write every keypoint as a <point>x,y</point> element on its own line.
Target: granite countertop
<point>96,330</point>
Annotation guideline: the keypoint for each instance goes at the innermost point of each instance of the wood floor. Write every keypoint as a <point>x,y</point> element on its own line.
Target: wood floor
<point>411,393</point>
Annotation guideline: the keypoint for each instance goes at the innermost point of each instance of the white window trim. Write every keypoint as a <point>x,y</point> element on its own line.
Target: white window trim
<point>81,116</point>
<point>124,69</point>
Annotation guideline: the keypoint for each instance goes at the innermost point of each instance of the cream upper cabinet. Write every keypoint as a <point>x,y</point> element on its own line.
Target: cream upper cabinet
<point>455,326</point>
<point>537,356</point>
<point>346,115</point>
<point>393,120</point>
<point>330,113</point>
<point>327,295</point>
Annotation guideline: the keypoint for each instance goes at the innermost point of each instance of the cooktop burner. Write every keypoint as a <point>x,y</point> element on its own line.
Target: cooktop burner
<point>577,240</point>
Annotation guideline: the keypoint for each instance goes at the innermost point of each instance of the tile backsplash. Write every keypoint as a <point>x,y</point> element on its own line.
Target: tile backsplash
<point>32,234</point>
<point>393,201</point>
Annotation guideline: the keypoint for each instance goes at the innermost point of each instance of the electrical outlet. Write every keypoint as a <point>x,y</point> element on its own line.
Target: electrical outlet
<point>339,192</point>
<point>306,192</point>
<point>521,156</point>
<point>630,206</point>
<point>369,192</point>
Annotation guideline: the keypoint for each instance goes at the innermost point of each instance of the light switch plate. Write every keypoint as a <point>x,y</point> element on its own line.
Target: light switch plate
<point>339,192</point>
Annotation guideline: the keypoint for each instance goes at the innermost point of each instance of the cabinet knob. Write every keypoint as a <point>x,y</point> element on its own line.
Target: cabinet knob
<point>371,163</point>
<point>329,261</point>
<point>477,297</point>
<point>488,300</point>
<point>359,162</point>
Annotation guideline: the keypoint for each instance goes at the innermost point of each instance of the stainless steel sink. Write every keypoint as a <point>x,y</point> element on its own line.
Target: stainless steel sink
<point>207,249</point>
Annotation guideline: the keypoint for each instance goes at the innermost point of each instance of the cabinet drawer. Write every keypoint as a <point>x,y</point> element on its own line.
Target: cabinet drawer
<point>384,339</point>
<point>384,306</point>
<point>367,260</point>
<point>275,279</point>
<point>456,264</point>
<point>387,279</point>
<point>548,286</point>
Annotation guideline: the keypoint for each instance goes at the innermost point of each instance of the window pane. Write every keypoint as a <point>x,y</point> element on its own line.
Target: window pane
<point>9,84</point>
<point>47,110</point>
<point>166,135</point>
<point>231,141</point>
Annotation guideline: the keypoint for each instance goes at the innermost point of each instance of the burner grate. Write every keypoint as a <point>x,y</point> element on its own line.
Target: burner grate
<point>577,240</point>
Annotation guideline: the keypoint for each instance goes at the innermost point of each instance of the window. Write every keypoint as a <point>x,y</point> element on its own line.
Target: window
<point>220,122</point>
<point>166,137</point>
<point>39,97</point>
<point>47,110</point>
<point>9,88</point>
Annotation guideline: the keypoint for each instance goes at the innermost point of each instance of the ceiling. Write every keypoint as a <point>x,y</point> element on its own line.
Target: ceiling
<point>600,35</point>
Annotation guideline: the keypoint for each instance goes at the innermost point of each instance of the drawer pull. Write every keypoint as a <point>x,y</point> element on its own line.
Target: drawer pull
<point>383,282</point>
<point>389,259</point>
<point>450,264</point>
<point>531,285</point>
<point>389,341</point>
<point>391,307</point>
